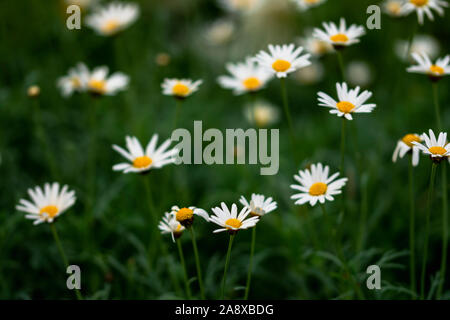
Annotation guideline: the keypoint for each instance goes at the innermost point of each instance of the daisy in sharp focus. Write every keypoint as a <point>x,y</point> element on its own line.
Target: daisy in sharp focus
<point>339,37</point>
<point>185,215</point>
<point>259,205</point>
<point>169,224</point>
<point>315,185</point>
<point>438,148</point>
<point>304,5</point>
<point>282,60</point>
<point>180,88</point>
<point>405,145</point>
<point>424,7</point>
<point>75,81</point>
<point>141,160</point>
<point>99,83</point>
<point>350,101</point>
<point>113,17</point>
<point>245,77</point>
<point>47,203</point>
<point>434,70</point>
<point>230,220</point>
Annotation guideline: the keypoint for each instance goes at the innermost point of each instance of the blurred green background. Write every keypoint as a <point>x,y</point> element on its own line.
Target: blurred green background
<point>294,255</point>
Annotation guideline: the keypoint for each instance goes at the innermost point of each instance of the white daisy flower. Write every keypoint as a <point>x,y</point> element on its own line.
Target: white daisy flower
<point>261,113</point>
<point>100,84</point>
<point>424,7</point>
<point>180,88</point>
<point>75,81</point>
<point>316,185</point>
<point>113,17</point>
<point>243,6</point>
<point>437,149</point>
<point>304,5</point>
<point>245,77</point>
<point>350,101</point>
<point>421,43</point>
<point>230,221</point>
<point>405,145</point>
<point>170,225</point>
<point>282,60</point>
<point>219,32</point>
<point>143,161</point>
<point>185,215</point>
<point>47,203</point>
<point>393,8</point>
<point>259,205</point>
<point>434,70</point>
<point>340,36</point>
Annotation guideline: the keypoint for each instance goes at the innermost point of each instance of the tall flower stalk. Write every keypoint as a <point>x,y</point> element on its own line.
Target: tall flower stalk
<point>227,262</point>
<point>183,264</point>
<point>197,262</point>
<point>412,237</point>
<point>444,229</point>
<point>250,264</point>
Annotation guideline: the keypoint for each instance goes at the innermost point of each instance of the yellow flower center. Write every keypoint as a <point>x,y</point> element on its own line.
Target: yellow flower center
<point>419,3</point>
<point>251,83</point>
<point>180,90</point>
<point>438,150</point>
<point>410,138</point>
<point>184,214</point>
<point>235,223</point>
<point>311,1</point>
<point>436,69</point>
<point>142,162</point>
<point>51,211</point>
<point>345,106</point>
<point>97,86</point>
<point>110,26</point>
<point>340,37</point>
<point>178,228</point>
<point>281,65</point>
<point>318,189</point>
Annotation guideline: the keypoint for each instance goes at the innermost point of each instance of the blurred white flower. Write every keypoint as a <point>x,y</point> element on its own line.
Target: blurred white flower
<point>141,160</point>
<point>75,81</point>
<point>101,84</point>
<point>358,73</point>
<point>434,70</point>
<point>405,145</point>
<point>169,224</point>
<point>304,5</point>
<point>339,36</point>
<point>393,8</point>
<point>83,4</point>
<point>112,18</point>
<point>261,113</point>
<point>241,6</point>
<point>47,203</point>
<point>282,60</point>
<point>219,32</point>
<point>259,205</point>
<point>421,43</point>
<point>310,74</point>
<point>424,7</point>
<point>180,88</point>
<point>245,77</point>
<point>315,46</point>
<point>230,221</point>
<point>350,101</point>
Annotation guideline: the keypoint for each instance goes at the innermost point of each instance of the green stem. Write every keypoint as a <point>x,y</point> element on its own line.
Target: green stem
<point>178,105</point>
<point>197,262</point>
<point>342,163</point>
<point>186,279</point>
<point>92,157</point>
<point>287,111</point>
<point>444,228</point>
<point>341,63</point>
<point>63,255</point>
<point>250,265</point>
<point>412,247</point>
<point>436,105</point>
<point>411,39</point>
<point>427,230</point>
<point>227,262</point>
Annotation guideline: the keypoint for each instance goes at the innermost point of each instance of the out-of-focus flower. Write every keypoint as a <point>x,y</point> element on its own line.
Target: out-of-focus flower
<point>316,47</point>
<point>141,160</point>
<point>169,224</point>
<point>421,43</point>
<point>162,59</point>
<point>113,17</point>
<point>241,6</point>
<point>340,36</point>
<point>83,4</point>
<point>434,70</point>
<point>230,221</point>
<point>245,77</point>
<point>358,73</point>
<point>180,88</point>
<point>259,205</point>
<point>393,8</point>
<point>350,101</point>
<point>47,203</point>
<point>310,74</point>
<point>186,215</point>
<point>438,149</point>
<point>282,60</point>
<point>304,5</point>
<point>75,81</point>
<point>219,32</point>
<point>100,83</point>
<point>424,7</point>
<point>261,113</point>
<point>405,145</point>
<point>33,91</point>
<point>316,186</point>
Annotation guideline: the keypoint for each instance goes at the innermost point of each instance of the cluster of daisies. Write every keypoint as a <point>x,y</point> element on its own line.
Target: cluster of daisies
<point>402,8</point>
